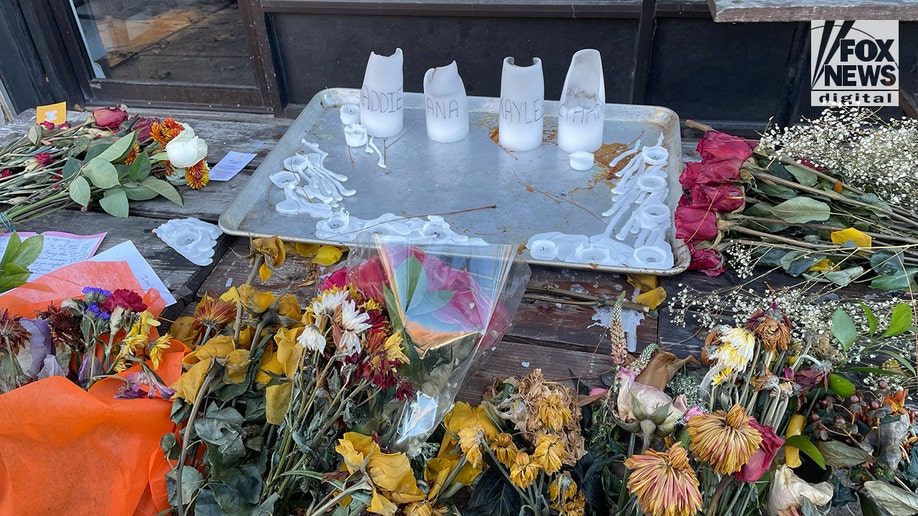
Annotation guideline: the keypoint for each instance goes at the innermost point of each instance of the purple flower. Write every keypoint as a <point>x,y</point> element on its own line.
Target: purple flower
<point>134,383</point>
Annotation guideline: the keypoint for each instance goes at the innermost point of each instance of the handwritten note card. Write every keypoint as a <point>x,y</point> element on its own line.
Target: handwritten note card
<point>146,276</point>
<point>59,249</point>
<point>230,165</point>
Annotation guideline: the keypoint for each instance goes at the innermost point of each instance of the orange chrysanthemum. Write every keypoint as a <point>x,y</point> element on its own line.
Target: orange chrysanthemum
<point>214,313</point>
<point>725,440</point>
<point>164,132</point>
<point>132,154</point>
<point>197,175</point>
<point>664,482</point>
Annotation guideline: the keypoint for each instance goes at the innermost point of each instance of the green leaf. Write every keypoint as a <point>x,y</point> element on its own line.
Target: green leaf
<point>903,280</point>
<point>495,495</point>
<point>806,446</point>
<point>12,276</point>
<point>840,385</point>
<point>900,321</point>
<point>192,480</point>
<point>800,210</point>
<point>795,264</point>
<point>140,168</point>
<point>843,328</point>
<point>35,134</point>
<point>28,251</point>
<point>844,277</point>
<point>868,506</point>
<point>871,319</point>
<point>79,191</point>
<point>886,263</point>
<point>12,248</point>
<point>775,190</point>
<point>163,188</point>
<point>895,355</point>
<point>115,202</point>
<point>118,150</point>
<point>802,175</point>
<point>71,168</point>
<point>136,192</point>
<point>102,173</point>
<point>895,500</point>
<point>841,455</point>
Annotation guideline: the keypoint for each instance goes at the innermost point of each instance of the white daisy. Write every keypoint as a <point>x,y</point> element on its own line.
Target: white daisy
<point>312,339</point>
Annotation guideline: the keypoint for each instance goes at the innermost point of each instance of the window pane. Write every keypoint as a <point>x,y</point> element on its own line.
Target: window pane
<point>168,41</point>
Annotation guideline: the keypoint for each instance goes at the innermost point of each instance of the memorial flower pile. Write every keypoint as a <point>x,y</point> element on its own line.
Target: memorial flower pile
<point>329,406</point>
<point>830,199</point>
<point>107,160</point>
<point>782,419</point>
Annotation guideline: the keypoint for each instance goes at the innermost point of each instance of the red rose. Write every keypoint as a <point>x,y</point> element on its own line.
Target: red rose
<point>706,260</point>
<point>47,125</point>
<point>5,173</point>
<point>717,145</point>
<point>126,299</point>
<point>43,158</point>
<point>710,172</point>
<point>144,128</point>
<point>721,198</point>
<point>761,459</point>
<point>694,223</point>
<point>109,118</point>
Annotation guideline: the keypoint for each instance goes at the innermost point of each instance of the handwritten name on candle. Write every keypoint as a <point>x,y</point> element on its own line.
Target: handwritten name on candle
<point>381,101</point>
<point>442,108</point>
<point>581,114</point>
<point>521,111</point>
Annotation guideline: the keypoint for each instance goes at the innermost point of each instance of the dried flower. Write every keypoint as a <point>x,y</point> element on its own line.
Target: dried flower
<point>523,471</point>
<point>725,440</point>
<point>12,334</point>
<point>664,482</point>
<point>504,448</point>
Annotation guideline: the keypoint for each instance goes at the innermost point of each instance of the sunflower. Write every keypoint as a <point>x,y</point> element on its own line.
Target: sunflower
<point>664,482</point>
<point>725,440</point>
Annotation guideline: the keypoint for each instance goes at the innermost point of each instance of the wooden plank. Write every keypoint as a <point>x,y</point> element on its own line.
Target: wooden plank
<point>733,11</point>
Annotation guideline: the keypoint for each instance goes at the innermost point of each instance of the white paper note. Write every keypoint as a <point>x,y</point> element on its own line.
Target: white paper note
<point>230,165</point>
<point>58,249</point>
<point>126,251</point>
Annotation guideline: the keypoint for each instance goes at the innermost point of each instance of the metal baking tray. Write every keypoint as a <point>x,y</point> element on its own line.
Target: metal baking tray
<point>531,192</point>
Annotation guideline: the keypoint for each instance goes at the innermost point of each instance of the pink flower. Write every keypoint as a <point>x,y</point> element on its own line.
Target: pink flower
<point>706,260</point>
<point>47,125</point>
<point>710,172</point>
<point>5,173</point>
<point>109,118</point>
<point>144,128</point>
<point>692,412</point>
<point>721,198</point>
<point>43,159</point>
<point>694,223</point>
<point>717,145</point>
<point>761,459</point>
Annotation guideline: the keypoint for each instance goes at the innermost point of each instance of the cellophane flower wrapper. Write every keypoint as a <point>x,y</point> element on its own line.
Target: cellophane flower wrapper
<point>453,305</point>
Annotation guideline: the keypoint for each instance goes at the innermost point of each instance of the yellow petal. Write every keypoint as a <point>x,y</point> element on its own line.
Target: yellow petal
<point>237,365</point>
<point>463,415</point>
<point>651,298</point>
<point>254,301</point>
<point>217,347</point>
<point>230,296</point>
<point>822,265</point>
<point>307,250</point>
<point>272,248</point>
<point>183,329</point>
<point>644,282</point>
<point>328,255</point>
<point>277,401</point>
<point>264,272</point>
<point>289,307</point>
<point>388,469</point>
<point>353,448</point>
<point>189,383</point>
<point>858,238</point>
<point>289,351</point>
<point>381,505</point>
<point>269,364</point>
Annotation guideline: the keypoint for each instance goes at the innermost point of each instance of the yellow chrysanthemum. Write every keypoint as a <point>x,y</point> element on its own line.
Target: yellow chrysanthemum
<point>554,413</point>
<point>470,444</point>
<point>664,482</point>
<point>549,453</point>
<point>504,448</point>
<point>562,489</point>
<point>156,350</point>
<point>725,440</point>
<point>736,349</point>
<point>524,471</point>
<point>393,347</point>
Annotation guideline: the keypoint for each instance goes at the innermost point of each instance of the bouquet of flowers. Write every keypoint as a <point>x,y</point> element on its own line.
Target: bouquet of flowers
<point>831,199</point>
<point>287,409</point>
<point>110,158</point>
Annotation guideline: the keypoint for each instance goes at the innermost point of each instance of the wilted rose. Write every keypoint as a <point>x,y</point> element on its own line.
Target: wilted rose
<point>717,145</point>
<point>637,402</point>
<point>772,329</point>
<point>787,491</point>
<point>706,260</point>
<point>186,149</point>
<point>721,198</point>
<point>761,459</point>
<point>694,223</point>
<point>144,128</point>
<point>710,172</point>
<point>109,118</point>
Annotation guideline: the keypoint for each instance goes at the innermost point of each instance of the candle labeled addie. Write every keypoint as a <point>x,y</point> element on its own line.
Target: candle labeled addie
<point>381,109</point>
<point>520,114</point>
